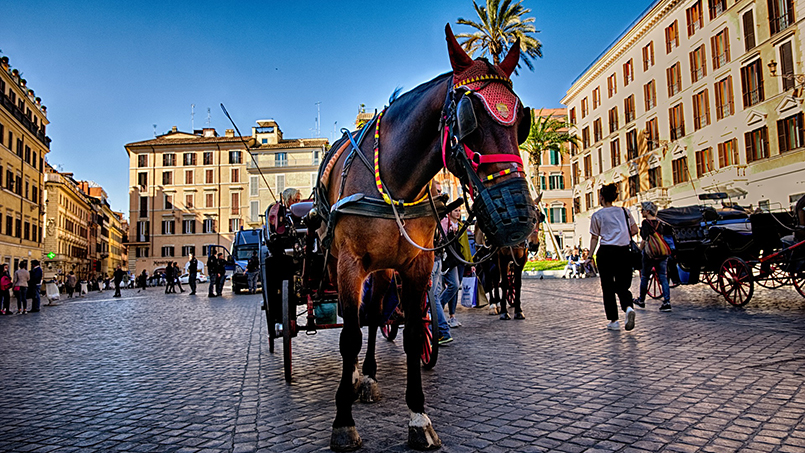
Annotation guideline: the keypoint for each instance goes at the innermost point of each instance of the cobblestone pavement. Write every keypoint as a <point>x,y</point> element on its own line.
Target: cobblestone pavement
<point>152,373</point>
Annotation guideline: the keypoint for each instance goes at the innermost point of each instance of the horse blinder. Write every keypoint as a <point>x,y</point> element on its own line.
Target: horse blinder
<point>466,122</point>
<point>524,129</point>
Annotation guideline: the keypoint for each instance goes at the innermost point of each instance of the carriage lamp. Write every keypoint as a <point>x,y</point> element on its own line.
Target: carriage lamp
<point>799,79</point>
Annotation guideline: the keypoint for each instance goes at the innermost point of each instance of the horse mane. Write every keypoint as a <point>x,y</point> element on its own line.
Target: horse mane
<point>416,92</point>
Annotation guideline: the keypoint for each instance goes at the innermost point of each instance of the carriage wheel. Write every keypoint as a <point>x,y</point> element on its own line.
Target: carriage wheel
<point>711,278</point>
<point>286,330</point>
<point>389,330</point>
<point>798,279</point>
<point>430,324</point>
<point>735,281</point>
<point>654,286</point>
<point>773,278</point>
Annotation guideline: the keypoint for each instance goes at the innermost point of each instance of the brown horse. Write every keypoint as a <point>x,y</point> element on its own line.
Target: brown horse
<point>469,120</point>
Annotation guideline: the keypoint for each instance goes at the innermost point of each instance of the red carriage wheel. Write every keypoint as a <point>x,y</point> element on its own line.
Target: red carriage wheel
<point>286,330</point>
<point>654,286</point>
<point>772,277</point>
<point>711,278</point>
<point>735,281</point>
<point>430,325</point>
<point>798,279</point>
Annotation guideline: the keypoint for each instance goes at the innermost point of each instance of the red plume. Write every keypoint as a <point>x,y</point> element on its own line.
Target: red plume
<point>512,59</point>
<point>459,59</point>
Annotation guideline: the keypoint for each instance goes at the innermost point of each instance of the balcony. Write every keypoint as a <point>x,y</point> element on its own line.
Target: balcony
<point>724,177</point>
<point>27,123</point>
<point>657,195</point>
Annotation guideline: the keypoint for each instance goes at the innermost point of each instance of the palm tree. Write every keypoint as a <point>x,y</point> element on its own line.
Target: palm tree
<point>501,23</point>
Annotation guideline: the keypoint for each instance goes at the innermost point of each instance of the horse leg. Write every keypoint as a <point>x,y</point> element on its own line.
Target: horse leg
<point>518,284</point>
<point>505,288</point>
<point>370,392</point>
<point>421,435</point>
<point>350,280</point>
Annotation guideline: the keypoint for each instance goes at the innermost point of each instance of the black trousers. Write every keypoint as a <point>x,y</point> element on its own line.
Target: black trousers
<point>192,282</point>
<point>117,288</point>
<point>616,278</point>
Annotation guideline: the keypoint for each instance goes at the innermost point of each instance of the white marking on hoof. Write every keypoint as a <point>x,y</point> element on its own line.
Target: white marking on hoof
<point>421,435</point>
<point>419,420</point>
<point>369,391</point>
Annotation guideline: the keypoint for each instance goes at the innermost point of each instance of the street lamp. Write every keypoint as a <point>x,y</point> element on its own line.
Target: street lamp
<point>799,79</point>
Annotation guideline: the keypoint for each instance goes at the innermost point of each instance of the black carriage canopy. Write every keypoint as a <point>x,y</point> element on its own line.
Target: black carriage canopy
<point>693,216</point>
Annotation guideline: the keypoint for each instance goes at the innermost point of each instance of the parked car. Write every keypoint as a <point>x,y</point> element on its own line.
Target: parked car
<point>185,278</point>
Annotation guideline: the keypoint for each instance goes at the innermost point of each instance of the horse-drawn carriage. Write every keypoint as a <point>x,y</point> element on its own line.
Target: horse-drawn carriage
<point>731,249</point>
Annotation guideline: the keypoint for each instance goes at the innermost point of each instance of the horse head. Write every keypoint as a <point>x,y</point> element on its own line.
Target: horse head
<point>484,124</point>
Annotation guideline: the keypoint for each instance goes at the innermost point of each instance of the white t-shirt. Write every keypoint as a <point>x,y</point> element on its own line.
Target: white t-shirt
<point>610,225</point>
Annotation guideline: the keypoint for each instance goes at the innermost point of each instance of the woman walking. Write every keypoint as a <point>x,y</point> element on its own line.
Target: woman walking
<point>21,277</point>
<point>5,290</point>
<point>614,227</point>
<point>650,225</point>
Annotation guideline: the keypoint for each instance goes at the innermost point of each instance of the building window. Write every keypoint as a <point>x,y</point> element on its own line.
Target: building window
<point>787,65</point>
<point>208,176</point>
<point>574,173</point>
<point>576,205</point>
<point>676,120</point>
<point>628,72</point>
<point>650,94</point>
<point>629,109</point>
<point>188,177</point>
<point>749,30</point>
<point>556,182</point>
<point>588,201</point>
<point>235,206</point>
<point>167,178</point>
<point>701,110</point>
<point>209,200</point>
<point>588,166</point>
<point>143,206</point>
<point>557,214</point>
<point>596,97</point>
<point>254,186</point>
<point>648,56</point>
<point>208,226</point>
<point>674,79</point>
<point>281,160</point>
<point>694,17</point>
<point>652,134</point>
<point>141,252</point>
<point>167,251</point>
<point>235,175</point>
<point>168,201</point>
<point>280,183</point>
<point>724,105</point>
<point>612,86</point>
<point>143,231</point>
<point>789,133</point>
<point>634,185</point>
<point>235,157</point>
<point>168,160</point>
<point>717,7</point>
<point>572,116</point>
<point>208,158</point>
<point>254,211</point>
<point>757,144</point>
<point>704,162</point>
<point>720,46</point>
<point>585,137</point>
<point>615,152</point>
<point>188,201</point>
<point>597,130</point>
<point>728,153</point>
<point>613,119</point>
<point>584,108</point>
<point>654,177</point>
<point>698,64</point>
<point>752,83</point>
<point>168,227</point>
<point>680,170</point>
<point>600,161</point>
<point>189,159</point>
<point>142,160</point>
<point>631,144</point>
<point>316,157</point>
<point>188,250</point>
<point>189,226</point>
<point>234,225</point>
<point>671,37</point>
<point>543,182</point>
<point>781,15</point>
<point>142,179</point>
<point>555,157</point>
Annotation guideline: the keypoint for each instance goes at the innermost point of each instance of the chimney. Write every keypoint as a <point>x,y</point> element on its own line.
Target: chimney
<point>174,129</point>
<point>230,132</point>
<point>209,132</point>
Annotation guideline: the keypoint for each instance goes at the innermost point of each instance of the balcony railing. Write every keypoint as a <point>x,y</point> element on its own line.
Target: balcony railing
<point>23,119</point>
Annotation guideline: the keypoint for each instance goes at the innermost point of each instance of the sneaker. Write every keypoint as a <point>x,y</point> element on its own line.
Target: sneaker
<point>666,306</point>
<point>445,340</point>
<point>629,319</point>
<point>639,303</point>
<point>614,325</point>
<point>519,316</point>
<point>453,322</point>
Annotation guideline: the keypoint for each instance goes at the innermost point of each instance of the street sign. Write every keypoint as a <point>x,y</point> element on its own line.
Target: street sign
<point>51,255</point>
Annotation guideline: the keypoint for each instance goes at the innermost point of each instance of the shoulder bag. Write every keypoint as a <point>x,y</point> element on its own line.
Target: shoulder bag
<point>656,247</point>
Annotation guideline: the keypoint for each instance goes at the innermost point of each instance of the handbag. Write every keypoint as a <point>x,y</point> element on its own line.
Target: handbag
<point>635,256</point>
<point>656,247</point>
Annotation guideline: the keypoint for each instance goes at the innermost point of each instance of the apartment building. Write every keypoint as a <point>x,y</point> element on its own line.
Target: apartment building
<point>68,215</point>
<point>277,163</point>
<point>23,146</point>
<point>697,96</point>
<point>187,191</point>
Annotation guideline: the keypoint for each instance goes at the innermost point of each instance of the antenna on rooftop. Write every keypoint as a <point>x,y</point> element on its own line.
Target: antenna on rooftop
<point>155,130</point>
<point>208,117</point>
<point>318,119</point>
<point>192,117</point>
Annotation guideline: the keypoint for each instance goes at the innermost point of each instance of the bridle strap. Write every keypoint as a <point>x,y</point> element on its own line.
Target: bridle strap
<point>480,159</point>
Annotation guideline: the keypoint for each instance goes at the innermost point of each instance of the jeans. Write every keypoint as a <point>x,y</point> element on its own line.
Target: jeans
<point>444,328</point>
<point>452,281</point>
<point>616,278</point>
<point>5,296</point>
<point>252,278</point>
<point>22,302</point>
<point>213,281</point>
<point>661,265</point>
<point>35,297</point>
<point>220,284</point>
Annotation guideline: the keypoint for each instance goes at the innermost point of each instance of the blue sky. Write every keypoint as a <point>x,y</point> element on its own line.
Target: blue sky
<point>109,71</point>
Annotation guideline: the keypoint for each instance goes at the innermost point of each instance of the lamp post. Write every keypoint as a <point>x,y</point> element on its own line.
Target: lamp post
<point>799,79</point>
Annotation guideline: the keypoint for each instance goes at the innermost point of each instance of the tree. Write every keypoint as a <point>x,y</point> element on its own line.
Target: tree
<point>501,24</point>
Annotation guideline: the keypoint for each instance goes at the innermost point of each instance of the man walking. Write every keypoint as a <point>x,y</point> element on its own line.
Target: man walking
<point>221,273</point>
<point>35,286</point>
<point>212,268</point>
<point>192,269</point>
<point>118,277</point>
<point>253,272</point>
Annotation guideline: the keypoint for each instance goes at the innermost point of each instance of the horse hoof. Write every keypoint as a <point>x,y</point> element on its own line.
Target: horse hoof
<point>505,316</point>
<point>421,435</point>
<point>519,316</point>
<point>493,309</point>
<point>369,391</point>
<point>345,438</point>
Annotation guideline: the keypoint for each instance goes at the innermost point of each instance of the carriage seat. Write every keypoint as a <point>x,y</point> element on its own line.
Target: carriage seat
<point>301,209</point>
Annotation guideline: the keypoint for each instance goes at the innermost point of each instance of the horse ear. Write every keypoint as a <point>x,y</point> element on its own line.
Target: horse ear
<point>459,59</point>
<point>512,59</point>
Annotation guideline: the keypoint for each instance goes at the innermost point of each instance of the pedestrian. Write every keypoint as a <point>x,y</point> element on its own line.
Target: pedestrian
<point>649,226</point>
<point>192,269</point>
<point>5,290</point>
<point>445,336</point>
<point>219,286</point>
<point>212,268</point>
<point>118,277</point>
<point>21,277</point>
<point>169,289</point>
<point>177,274</point>
<point>253,272</point>
<point>35,286</point>
<point>452,268</point>
<point>613,228</point>
<point>142,281</point>
<point>70,284</point>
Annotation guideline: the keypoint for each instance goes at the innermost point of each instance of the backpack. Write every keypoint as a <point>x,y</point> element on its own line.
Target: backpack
<point>656,247</point>
<point>5,283</point>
